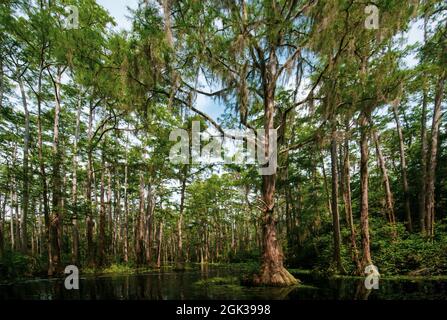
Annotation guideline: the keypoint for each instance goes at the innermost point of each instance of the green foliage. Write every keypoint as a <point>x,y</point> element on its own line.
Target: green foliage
<point>15,264</point>
<point>244,256</point>
<point>118,268</point>
<point>216,281</point>
<point>409,254</point>
<point>412,255</point>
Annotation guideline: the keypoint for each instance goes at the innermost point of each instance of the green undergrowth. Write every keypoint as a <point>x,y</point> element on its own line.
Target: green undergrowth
<point>410,255</point>
<point>217,281</point>
<point>117,269</point>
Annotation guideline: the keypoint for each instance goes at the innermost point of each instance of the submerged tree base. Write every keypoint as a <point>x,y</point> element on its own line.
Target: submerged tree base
<point>274,276</point>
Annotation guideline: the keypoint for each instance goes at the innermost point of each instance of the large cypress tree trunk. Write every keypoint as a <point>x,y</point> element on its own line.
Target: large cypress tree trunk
<point>272,270</point>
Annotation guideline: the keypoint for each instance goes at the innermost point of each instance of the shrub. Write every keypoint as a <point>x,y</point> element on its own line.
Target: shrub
<point>16,264</point>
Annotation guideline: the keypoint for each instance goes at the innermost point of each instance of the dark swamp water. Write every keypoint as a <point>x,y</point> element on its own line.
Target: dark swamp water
<point>188,285</point>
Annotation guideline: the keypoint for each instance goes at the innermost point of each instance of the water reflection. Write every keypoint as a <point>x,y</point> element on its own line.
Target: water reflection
<point>162,285</point>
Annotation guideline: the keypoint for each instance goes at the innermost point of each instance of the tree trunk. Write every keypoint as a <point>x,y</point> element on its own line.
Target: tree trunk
<point>43,176</point>
<point>109,230</point>
<point>424,152</point>
<point>347,199</point>
<point>126,215</point>
<point>325,184</point>
<point>17,217</point>
<point>272,270</point>
<point>117,231</point>
<point>150,208</point>
<point>56,177</point>
<point>89,222</point>
<point>40,235</point>
<point>389,202</point>
<point>364,154</point>
<point>25,196</point>
<point>11,221</point>
<point>424,148</point>
<point>75,231</point>
<point>33,225</point>
<point>139,231</point>
<point>288,199</point>
<point>2,225</point>
<point>102,216</point>
<point>334,203</point>
<point>13,204</point>
<point>180,261</point>
<point>403,168</point>
<point>62,211</point>
<point>160,240</point>
<point>2,90</point>
<point>432,159</point>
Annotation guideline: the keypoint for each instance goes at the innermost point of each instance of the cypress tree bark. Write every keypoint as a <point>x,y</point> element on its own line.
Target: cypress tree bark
<point>347,199</point>
<point>102,215</point>
<point>334,203</point>
<point>389,202</point>
<point>150,208</point>
<point>57,182</point>
<point>139,230</point>
<point>25,198</point>
<point>180,260</point>
<point>432,156</point>
<point>74,221</point>
<point>88,189</point>
<point>403,168</point>
<point>364,210</point>
<point>272,270</point>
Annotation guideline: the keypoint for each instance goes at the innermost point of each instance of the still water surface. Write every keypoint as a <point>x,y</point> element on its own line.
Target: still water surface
<point>157,285</point>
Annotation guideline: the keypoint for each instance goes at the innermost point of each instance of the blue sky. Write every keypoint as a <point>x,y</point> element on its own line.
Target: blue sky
<point>118,10</point>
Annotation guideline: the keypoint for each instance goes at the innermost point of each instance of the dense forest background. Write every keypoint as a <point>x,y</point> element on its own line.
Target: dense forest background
<point>86,113</point>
